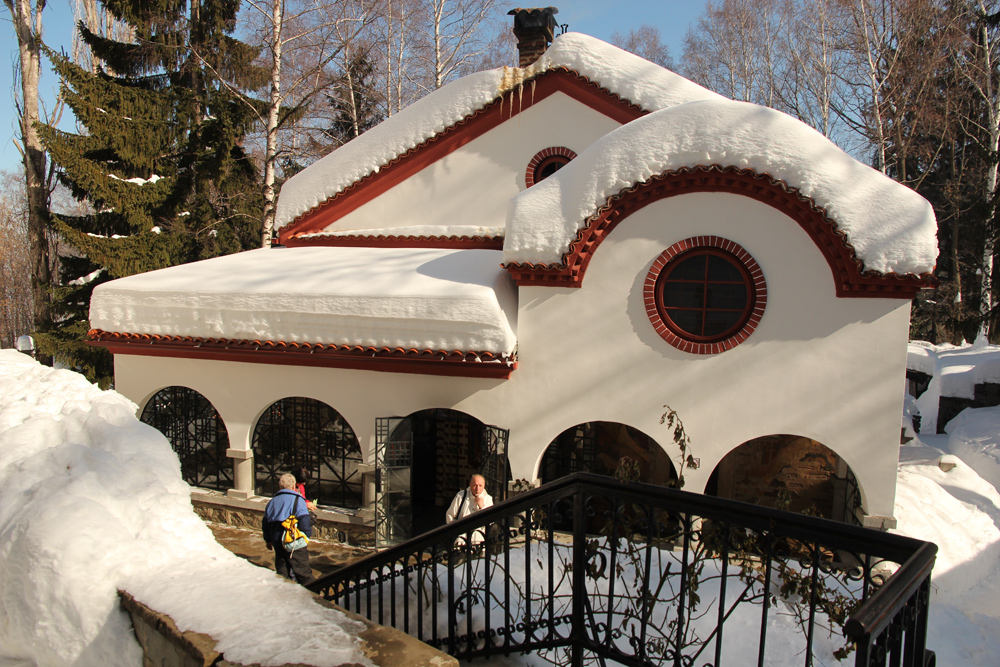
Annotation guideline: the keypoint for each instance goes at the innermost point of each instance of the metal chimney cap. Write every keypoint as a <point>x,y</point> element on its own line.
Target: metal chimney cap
<point>534,19</point>
<point>25,344</point>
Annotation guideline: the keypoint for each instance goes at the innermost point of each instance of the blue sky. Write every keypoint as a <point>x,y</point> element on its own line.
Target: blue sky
<point>599,18</point>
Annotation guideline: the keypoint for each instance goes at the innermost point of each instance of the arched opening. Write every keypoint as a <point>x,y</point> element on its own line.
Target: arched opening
<point>599,447</point>
<point>196,432</point>
<point>305,433</point>
<point>547,162</point>
<point>424,459</point>
<point>789,472</point>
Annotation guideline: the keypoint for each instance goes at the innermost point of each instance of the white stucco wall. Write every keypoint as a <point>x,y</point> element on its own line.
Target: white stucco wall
<point>473,184</point>
<point>817,366</point>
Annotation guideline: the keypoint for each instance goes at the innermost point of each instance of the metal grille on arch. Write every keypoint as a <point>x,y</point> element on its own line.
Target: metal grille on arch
<point>196,432</point>
<point>305,433</point>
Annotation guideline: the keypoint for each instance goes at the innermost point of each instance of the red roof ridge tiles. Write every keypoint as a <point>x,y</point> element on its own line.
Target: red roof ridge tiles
<point>380,358</point>
<point>360,239</point>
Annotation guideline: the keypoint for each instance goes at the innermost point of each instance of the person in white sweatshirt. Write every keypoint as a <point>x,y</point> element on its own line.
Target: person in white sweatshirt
<point>469,500</point>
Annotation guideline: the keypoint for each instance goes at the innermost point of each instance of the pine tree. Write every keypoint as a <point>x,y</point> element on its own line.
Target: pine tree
<point>160,165</point>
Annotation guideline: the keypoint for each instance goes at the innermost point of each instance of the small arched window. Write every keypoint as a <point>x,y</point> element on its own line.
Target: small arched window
<point>547,162</point>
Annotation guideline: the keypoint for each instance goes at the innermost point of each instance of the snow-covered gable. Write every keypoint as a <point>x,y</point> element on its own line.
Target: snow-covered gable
<point>891,228</point>
<point>625,75</point>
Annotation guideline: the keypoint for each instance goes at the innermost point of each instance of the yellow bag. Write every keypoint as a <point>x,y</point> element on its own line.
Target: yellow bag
<point>294,538</point>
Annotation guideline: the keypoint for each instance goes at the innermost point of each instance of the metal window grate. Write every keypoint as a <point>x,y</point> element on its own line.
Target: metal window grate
<point>196,432</point>
<point>574,450</point>
<point>305,433</point>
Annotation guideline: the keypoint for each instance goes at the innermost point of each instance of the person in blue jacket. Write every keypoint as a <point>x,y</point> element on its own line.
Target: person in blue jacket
<point>286,502</point>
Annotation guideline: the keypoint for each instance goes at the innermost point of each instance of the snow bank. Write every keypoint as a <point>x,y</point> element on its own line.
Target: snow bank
<point>975,438</point>
<point>423,299</point>
<point>892,228</point>
<point>960,512</point>
<point>91,500</point>
<point>635,79</point>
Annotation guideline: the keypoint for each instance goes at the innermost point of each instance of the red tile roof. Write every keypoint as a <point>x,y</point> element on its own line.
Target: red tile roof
<point>388,359</point>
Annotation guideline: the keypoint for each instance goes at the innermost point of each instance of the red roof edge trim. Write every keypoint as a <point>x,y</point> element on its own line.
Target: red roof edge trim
<point>392,241</point>
<point>849,276</point>
<point>368,358</point>
<point>533,91</point>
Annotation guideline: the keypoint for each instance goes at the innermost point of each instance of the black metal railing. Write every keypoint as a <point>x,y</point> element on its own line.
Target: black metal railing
<point>587,570</point>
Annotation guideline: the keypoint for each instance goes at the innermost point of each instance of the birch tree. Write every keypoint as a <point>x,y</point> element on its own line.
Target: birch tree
<point>735,49</point>
<point>645,42</point>
<point>811,88</point>
<point>981,71</point>
<point>15,269</point>
<point>27,21</point>
<point>450,38</point>
<point>393,34</point>
<point>314,35</point>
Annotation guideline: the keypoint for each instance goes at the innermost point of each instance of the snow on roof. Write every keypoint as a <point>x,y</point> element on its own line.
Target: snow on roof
<point>450,231</point>
<point>426,299</point>
<point>955,370</point>
<point>891,228</point>
<point>958,368</point>
<point>637,80</point>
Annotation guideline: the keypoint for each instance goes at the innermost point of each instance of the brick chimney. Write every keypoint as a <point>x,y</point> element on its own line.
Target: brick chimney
<point>535,30</point>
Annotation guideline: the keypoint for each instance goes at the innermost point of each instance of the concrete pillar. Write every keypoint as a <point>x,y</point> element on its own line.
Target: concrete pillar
<point>243,469</point>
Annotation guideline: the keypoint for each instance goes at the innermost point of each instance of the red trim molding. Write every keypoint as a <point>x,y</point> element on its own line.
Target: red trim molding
<point>358,357</point>
<point>391,241</point>
<point>492,115</point>
<point>543,156</point>
<point>734,249</point>
<point>848,275</point>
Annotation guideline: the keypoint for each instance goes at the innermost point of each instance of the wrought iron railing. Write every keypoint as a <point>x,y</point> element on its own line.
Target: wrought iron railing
<point>587,570</point>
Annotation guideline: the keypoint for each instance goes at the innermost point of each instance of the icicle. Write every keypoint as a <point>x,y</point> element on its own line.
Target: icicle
<point>512,80</point>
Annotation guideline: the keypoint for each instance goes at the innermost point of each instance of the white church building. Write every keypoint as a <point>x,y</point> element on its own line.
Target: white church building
<point>517,274</point>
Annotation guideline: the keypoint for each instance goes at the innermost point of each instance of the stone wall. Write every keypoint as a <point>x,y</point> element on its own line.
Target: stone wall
<point>765,469</point>
<point>164,645</point>
<point>355,530</point>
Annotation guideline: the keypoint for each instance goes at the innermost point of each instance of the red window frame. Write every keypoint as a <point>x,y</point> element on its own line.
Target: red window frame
<point>545,158</point>
<point>682,335</point>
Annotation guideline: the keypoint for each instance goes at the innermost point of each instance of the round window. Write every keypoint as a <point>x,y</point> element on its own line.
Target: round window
<point>705,295</point>
<point>547,162</point>
<point>549,166</point>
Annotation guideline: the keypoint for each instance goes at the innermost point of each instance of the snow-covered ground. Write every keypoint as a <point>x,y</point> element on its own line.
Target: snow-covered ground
<point>91,500</point>
<point>958,508</point>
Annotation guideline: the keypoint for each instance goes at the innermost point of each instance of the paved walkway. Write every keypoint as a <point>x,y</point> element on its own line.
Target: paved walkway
<point>324,555</point>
